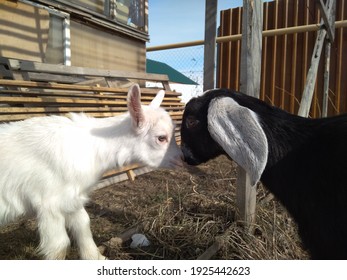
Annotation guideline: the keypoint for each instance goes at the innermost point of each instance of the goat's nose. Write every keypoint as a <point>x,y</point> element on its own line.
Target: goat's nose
<point>188,156</point>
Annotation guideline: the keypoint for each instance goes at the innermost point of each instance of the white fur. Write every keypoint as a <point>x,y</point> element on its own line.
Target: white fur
<point>48,166</point>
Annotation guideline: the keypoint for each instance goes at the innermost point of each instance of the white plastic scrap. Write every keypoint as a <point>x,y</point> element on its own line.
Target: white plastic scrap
<point>139,240</point>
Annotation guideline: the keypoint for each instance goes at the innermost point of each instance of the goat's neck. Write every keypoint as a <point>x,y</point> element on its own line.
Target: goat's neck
<point>285,136</point>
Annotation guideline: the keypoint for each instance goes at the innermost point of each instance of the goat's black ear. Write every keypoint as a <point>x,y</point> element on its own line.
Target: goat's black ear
<point>237,130</point>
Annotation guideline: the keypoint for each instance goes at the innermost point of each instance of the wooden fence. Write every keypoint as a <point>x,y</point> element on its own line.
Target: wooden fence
<point>286,58</point>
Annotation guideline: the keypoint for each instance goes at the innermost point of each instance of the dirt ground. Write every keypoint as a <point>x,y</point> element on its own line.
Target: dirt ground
<point>182,213</point>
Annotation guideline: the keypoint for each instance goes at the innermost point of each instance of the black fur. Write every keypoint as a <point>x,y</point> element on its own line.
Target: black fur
<point>305,170</point>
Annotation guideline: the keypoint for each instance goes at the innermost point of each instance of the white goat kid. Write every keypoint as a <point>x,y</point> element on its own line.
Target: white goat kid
<point>49,165</point>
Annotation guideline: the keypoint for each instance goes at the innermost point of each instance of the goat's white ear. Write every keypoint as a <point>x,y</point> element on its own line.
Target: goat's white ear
<point>135,107</point>
<point>158,99</point>
<point>237,130</point>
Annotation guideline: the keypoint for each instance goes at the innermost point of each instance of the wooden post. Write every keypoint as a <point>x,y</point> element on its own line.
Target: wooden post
<point>326,79</point>
<point>329,21</point>
<point>131,175</point>
<point>328,17</point>
<point>210,44</point>
<point>252,25</point>
<point>307,95</point>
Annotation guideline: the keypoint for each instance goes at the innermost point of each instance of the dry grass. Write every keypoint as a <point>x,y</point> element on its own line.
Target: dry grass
<point>182,213</point>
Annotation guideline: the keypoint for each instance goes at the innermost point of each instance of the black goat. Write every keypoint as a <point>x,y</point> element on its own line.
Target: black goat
<point>301,161</point>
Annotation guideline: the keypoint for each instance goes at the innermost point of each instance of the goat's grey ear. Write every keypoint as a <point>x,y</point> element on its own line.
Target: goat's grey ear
<point>158,99</point>
<point>134,106</point>
<point>237,130</point>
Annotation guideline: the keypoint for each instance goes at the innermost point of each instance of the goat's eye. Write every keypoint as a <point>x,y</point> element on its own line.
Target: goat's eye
<point>191,122</point>
<point>162,138</point>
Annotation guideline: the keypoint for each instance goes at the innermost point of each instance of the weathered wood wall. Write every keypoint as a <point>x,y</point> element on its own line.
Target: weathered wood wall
<point>32,33</point>
<point>286,58</point>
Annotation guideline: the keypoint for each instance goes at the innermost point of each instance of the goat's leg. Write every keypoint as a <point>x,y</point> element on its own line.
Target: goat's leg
<point>54,240</point>
<point>79,225</point>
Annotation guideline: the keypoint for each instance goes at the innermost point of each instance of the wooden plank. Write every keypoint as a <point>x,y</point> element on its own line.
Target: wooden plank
<point>228,70</point>
<point>237,46</point>
<point>250,84</point>
<point>221,49</point>
<point>326,79</point>
<point>97,96</point>
<point>274,54</point>
<point>175,46</point>
<point>210,44</point>
<point>55,100</point>
<point>18,117</point>
<point>131,175</point>
<point>45,77</point>
<point>265,51</point>
<point>121,170</point>
<point>340,64</point>
<point>328,18</point>
<point>58,110</point>
<point>281,31</point>
<point>284,56</point>
<point>251,47</point>
<point>5,73</point>
<point>294,62</point>
<point>50,93</point>
<point>99,81</point>
<point>29,84</point>
<point>30,66</point>
<point>305,46</point>
<point>211,251</point>
<point>307,95</point>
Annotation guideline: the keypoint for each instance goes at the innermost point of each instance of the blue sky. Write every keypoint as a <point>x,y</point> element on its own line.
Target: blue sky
<point>176,21</point>
<point>180,20</point>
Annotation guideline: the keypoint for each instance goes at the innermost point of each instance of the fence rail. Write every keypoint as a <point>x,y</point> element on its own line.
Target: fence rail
<point>289,37</point>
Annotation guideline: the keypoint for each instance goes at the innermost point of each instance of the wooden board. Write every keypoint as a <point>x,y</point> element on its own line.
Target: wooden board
<point>31,66</point>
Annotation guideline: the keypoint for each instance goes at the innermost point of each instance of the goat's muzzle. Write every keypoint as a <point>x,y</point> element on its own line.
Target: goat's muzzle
<point>188,156</point>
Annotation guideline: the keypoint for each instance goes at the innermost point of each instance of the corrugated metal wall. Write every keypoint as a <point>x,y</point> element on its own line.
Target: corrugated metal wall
<point>286,58</point>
